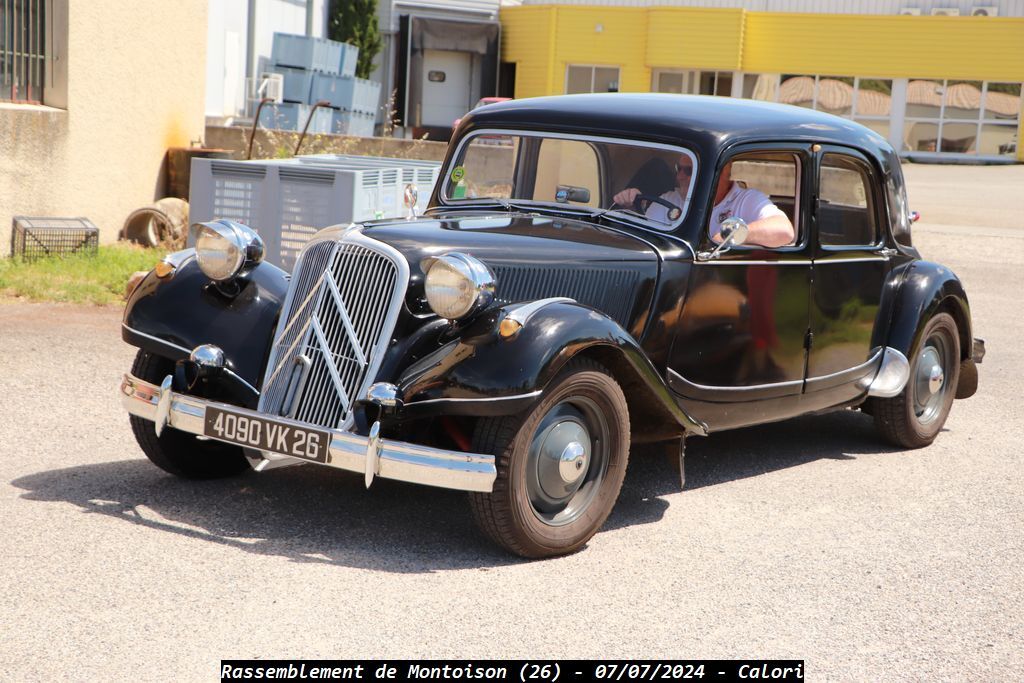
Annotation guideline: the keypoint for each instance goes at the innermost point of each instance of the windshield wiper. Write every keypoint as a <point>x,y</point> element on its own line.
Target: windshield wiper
<point>620,209</point>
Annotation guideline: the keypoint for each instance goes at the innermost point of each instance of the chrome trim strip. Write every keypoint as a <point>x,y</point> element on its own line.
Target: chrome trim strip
<point>856,368</point>
<point>864,259</point>
<point>514,397</point>
<point>717,262</point>
<point>396,460</point>
<point>738,390</point>
<point>892,376</point>
<point>523,313</point>
<point>157,339</point>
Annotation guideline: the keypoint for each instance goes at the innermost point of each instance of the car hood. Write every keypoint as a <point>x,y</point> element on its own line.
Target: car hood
<point>534,257</point>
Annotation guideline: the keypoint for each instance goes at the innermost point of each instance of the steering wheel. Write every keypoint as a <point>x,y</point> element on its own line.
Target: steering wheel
<point>638,206</point>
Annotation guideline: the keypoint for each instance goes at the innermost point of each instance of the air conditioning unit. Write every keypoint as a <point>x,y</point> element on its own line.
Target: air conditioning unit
<point>272,86</point>
<point>910,11</point>
<point>945,12</point>
<point>985,11</point>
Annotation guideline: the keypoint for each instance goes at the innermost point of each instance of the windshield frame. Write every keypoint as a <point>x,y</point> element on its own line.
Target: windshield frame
<point>559,207</point>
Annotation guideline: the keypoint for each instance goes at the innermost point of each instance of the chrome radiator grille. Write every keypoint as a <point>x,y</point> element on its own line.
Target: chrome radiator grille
<point>344,300</point>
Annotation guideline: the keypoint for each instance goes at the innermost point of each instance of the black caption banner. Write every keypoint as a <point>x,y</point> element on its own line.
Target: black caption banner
<point>521,670</point>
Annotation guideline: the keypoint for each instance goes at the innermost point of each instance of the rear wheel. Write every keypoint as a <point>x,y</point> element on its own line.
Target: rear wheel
<point>915,417</point>
<point>560,470</point>
<point>178,453</point>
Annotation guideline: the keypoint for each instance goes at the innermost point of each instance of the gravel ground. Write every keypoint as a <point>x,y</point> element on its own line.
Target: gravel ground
<point>808,539</point>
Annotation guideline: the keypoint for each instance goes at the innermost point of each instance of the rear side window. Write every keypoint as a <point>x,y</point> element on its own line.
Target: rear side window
<point>846,210</point>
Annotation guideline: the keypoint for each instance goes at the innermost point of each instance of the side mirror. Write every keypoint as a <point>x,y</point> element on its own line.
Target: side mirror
<point>409,198</point>
<point>734,232</point>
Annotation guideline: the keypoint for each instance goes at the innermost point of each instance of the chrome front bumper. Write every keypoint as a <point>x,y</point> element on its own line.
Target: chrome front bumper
<point>369,455</point>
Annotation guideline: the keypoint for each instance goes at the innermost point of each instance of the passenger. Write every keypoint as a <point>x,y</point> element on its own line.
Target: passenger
<point>767,224</point>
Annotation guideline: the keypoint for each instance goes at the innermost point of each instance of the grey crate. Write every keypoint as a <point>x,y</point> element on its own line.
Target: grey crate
<point>306,52</point>
<point>292,116</point>
<point>297,83</point>
<point>349,57</point>
<point>339,91</point>
<point>345,92</point>
<point>34,237</point>
<point>352,123</point>
<point>288,201</point>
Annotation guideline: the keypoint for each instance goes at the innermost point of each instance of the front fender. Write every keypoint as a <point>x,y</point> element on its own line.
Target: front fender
<point>914,293</point>
<point>170,316</point>
<point>477,372</point>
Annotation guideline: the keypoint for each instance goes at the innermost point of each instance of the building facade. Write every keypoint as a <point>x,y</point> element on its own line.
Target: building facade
<point>439,58</point>
<point>938,79</point>
<point>92,94</point>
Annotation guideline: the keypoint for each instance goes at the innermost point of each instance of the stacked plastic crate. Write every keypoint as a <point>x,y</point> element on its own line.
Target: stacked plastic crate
<point>314,70</point>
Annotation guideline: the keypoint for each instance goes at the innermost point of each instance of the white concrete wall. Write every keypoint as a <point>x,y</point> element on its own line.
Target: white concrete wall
<point>227,47</point>
<point>135,86</point>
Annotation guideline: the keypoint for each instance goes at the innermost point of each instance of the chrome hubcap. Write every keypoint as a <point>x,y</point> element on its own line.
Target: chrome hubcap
<point>567,461</point>
<point>930,380</point>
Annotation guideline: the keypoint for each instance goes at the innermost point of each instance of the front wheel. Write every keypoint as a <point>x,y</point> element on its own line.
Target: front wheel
<point>560,470</point>
<point>915,417</point>
<point>175,452</point>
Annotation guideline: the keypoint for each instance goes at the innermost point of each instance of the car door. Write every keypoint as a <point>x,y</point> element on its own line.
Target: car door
<point>850,265</point>
<point>739,354</point>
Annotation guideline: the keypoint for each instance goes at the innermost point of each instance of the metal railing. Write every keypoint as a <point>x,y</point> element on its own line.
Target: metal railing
<point>22,50</point>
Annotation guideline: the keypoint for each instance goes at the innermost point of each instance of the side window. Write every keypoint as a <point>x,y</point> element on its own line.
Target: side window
<point>760,185</point>
<point>846,210</point>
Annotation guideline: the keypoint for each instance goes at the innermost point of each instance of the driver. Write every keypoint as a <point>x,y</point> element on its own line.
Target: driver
<point>677,197</point>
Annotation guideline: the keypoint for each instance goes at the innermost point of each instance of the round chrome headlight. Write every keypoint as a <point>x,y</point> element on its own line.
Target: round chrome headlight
<point>457,284</point>
<point>226,249</point>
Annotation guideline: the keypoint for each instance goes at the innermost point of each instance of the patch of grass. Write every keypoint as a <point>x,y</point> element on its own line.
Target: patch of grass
<point>78,278</point>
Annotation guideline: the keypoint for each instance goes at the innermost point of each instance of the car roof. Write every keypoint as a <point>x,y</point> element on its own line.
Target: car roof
<point>705,122</point>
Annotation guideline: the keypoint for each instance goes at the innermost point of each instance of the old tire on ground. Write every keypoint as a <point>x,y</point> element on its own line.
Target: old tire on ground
<point>176,452</point>
<point>915,417</point>
<point>560,470</point>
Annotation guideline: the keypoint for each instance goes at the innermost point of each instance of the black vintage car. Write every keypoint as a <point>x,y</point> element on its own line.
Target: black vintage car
<point>594,272</point>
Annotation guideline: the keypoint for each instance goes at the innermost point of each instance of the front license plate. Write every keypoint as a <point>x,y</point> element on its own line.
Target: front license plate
<point>267,435</point>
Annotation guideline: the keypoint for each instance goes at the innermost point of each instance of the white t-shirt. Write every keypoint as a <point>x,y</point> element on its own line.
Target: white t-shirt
<point>659,212</point>
<point>743,202</point>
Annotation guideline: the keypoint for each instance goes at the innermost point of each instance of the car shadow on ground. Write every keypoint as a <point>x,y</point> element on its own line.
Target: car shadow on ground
<point>311,514</point>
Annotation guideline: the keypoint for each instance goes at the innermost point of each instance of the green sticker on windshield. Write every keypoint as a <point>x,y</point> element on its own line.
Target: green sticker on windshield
<point>458,173</point>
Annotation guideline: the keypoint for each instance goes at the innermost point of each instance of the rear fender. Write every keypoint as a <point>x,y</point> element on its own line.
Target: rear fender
<point>478,372</point>
<point>913,294</point>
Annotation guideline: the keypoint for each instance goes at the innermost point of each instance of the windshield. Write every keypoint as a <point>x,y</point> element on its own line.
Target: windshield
<point>645,182</point>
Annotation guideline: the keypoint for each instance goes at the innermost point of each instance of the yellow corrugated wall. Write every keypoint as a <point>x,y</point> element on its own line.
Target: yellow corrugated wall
<point>612,36</point>
<point>543,39</point>
<point>694,38</point>
<point>977,48</point>
<point>527,38</point>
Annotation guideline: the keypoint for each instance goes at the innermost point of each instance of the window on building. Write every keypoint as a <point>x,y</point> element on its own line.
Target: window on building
<point>963,117</point>
<point>22,50</point>
<point>692,82</point>
<point>846,211</point>
<point>872,104</point>
<point>581,79</point>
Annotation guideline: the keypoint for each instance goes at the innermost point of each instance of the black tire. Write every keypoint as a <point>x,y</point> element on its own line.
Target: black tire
<point>915,417</point>
<point>543,505</point>
<point>175,452</point>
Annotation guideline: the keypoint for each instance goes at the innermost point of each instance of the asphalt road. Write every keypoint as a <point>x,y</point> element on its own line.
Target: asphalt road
<point>809,539</point>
